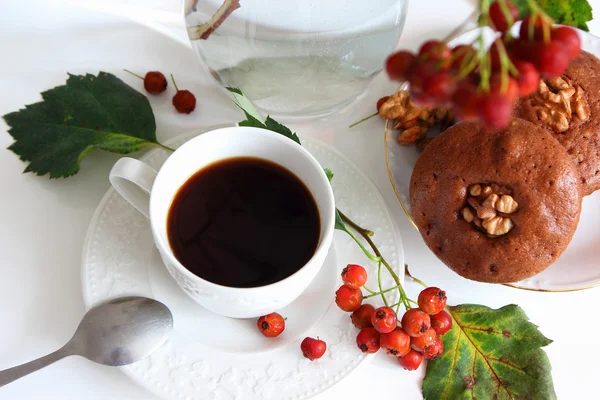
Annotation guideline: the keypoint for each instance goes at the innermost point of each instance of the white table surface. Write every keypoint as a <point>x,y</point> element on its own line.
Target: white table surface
<point>43,222</point>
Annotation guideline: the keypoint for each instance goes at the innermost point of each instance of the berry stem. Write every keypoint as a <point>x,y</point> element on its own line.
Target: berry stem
<point>417,280</point>
<point>381,292</point>
<point>369,290</point>
<point>174,84</point>
<point>365,234</point>
<point>363,120</point>
<point>373,294</point>
<point>133,73</point>
<point>362,246</point>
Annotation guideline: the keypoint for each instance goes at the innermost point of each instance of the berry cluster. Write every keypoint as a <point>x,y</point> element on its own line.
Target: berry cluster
<point>155,82</point>
<point>484,84</point>
<point>416,337</point>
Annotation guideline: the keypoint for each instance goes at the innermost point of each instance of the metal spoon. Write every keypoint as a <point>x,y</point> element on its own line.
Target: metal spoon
<point>118,332</point>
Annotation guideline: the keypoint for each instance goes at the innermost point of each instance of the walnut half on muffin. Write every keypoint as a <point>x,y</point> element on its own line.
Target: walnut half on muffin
<point>569,108</point>
<point>496,206</point>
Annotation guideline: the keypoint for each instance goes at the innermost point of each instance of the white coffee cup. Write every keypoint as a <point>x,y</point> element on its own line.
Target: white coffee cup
<point>152,192</point>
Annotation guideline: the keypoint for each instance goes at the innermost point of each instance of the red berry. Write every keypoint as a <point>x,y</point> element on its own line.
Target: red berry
<point>313,348</point>
<point>399,64</point>
<point>396,343</point>
<point>435,350</point>
<point>411,361</point>
<point>439,87</point>
<point>435,51</point>
<point>441,322</point>
<point>510,91</point>
<point>498,15</point>
<point>569,38</point>
<point>384,319</point>
<point>184,101</point>
<point>361,318</point>
<point>415,322</point>
<point>422,342</point>
<point>367,340</point>
<point>432,300</point>
<point>271,325</point>
<point>348,299</point>
<point>528,79</point>
<point>532,30</point>
<point>155,82</point>
<point>418,73</point>
<point>462,55</point>
<point>381,101</point>
<point>466,100</point>
<point>524,49</point>
<point>551,59</point>
<point>495,110</point>
<point>354,276</point>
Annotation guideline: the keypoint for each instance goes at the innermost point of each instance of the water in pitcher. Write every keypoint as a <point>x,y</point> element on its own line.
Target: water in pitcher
<point>298,59</point>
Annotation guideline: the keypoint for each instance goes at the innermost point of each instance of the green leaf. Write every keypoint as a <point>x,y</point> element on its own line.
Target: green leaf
<point>329,173</point>
<point>490,354</point>
<point>568,12</point>
<point>254,119</point>
<point>275,126</point>
<point>339,222</point>
<point>88,112</point>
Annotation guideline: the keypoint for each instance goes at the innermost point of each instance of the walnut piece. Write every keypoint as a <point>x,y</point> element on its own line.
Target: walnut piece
<point>507,204</point>
<point>484,203</point>
<point>413,121</point>
<point>557,100</point>
<point>497,226</point>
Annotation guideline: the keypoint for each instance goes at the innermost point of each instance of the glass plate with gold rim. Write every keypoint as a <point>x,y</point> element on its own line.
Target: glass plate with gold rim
<point>577,268</point>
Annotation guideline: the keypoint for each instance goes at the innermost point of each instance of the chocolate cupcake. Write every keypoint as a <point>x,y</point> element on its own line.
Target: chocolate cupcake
<point>496,206</point>
<point>569,108</point>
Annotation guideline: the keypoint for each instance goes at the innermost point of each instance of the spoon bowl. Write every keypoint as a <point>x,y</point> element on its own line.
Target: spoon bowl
<point>122,331</point>
<point>119,332</point>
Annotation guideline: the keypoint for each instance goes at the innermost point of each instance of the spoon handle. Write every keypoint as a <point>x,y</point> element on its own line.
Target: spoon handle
<point>12,374</point>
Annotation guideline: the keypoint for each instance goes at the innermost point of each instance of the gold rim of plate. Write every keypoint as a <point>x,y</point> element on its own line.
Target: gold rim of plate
<point>409,217</point>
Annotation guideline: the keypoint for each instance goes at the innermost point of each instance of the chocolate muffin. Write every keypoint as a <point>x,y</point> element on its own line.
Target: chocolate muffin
<point>569,108</point>
<point>496,206</point>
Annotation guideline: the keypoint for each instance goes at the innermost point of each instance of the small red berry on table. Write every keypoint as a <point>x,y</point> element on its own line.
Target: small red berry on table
<point>271,325</point>
<point>367,340</point>
<point>184,101</point>
<point>313,348</point>
<point>384,319</point>
<point>411,361</point>
<point>415,322</point>
<point>396,343</point>
<point>421,343</point>
<point>361,318</point>
<point>399,64</point>
<point>154,81</point>
<point>432,300</point>
<point>441,323</point>
<point>354,276</point>
<point>348,299</point>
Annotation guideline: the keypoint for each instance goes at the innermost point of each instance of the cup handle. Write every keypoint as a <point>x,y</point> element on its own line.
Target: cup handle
<point>133,180</point>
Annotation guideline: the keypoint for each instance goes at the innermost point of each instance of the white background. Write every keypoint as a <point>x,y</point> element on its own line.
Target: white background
<point>42,222</point>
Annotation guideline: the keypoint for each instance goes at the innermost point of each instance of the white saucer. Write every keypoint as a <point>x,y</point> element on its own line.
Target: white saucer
<point>213,357</point>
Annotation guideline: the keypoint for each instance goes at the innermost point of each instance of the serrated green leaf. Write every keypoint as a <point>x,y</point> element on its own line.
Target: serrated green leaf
<point>88,112</point>
<point>275,126</point>
<point>244,103</point>
<point>568,12</point>
<point>490,354</point>
<point>329,173</point>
